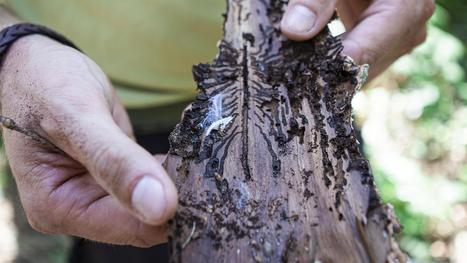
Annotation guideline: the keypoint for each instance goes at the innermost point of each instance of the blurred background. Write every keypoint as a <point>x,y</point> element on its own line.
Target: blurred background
<point>414,124</point>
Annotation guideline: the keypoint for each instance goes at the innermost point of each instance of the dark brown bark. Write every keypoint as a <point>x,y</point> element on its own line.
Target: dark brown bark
<point>266,159</point>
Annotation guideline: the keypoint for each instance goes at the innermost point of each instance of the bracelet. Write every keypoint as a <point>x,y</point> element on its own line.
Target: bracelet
<point>12,33</point>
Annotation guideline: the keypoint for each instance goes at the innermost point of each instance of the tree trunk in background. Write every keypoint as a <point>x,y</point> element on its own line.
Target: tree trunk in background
<point>266,159</point>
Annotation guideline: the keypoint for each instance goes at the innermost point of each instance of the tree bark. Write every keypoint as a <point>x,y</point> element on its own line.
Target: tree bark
<point>266,160</point>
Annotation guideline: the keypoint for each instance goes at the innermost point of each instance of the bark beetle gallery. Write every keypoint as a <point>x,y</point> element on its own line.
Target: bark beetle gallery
<point>266,159</point>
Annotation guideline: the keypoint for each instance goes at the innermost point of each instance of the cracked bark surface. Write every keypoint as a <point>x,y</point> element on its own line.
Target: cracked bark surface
<point>266,160</point>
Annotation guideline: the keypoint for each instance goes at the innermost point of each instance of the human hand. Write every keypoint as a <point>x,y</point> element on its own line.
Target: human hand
<point>103,187</point>
<point>378,31</point>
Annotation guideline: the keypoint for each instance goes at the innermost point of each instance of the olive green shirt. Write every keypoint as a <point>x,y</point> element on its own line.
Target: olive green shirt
<point>146,47</point>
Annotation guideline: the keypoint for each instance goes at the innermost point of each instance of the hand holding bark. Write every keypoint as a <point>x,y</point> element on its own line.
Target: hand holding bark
<point>102,186</point>
<point>378,32</point>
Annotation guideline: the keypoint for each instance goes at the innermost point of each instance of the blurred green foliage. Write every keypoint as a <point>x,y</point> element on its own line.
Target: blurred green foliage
<point>417,143</point>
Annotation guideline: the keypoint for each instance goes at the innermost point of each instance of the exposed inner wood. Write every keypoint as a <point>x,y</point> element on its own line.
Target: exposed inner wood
<point>266,159</point>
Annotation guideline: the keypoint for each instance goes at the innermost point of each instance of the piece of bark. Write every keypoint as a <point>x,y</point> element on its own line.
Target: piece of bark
<point>266,160</point>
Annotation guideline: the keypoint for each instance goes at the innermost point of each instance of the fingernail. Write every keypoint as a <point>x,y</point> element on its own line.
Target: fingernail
<point>149,199</point>
<point>299,19</point>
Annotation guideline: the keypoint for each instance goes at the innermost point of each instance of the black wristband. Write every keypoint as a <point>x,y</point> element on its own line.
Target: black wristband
<point>12,33</point>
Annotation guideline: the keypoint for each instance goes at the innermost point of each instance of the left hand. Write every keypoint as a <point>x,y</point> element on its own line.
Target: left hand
<point>378,31</point>
<point>101,185</point>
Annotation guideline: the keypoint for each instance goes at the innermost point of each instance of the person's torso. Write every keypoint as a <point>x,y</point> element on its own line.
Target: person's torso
<point>146,47</point>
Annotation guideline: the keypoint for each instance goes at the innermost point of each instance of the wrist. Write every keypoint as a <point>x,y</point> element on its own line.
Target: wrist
<point>19,50</point>
<point>33,42</point>
<point>27,50</point>
<point>24,36</point>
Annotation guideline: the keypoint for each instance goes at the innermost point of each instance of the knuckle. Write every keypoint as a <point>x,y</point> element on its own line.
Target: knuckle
<point>40,220</point>
<point>419,39</point>
<point>37,225</point>
<point>422,36</point>
<point>422,11</point>
<point>44,215</point>
<point>428,9</point>
<point>35,203</point>
<point>413,43</point>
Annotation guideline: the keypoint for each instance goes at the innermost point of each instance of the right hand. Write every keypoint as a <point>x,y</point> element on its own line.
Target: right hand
<point>378,31</point>
<point>105,187</point>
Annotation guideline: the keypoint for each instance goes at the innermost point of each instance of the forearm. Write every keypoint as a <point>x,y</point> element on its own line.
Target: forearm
<point>7,18</point>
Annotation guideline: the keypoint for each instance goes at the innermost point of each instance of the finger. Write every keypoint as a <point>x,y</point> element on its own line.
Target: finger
<point>60,196</point>
<point>350,11</point>
<point>160,157</point>
<point>130,230</point>
<point>90,215</point>
<point>118,164</point>
<point>384,62</point>
<point>304,19</point>
<point>373,38</point>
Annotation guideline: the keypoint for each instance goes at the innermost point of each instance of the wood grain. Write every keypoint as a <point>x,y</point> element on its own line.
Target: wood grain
<point>266,159</point>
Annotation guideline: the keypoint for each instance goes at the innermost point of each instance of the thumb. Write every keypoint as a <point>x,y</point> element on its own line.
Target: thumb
<point>122,167</point>
<point>304,19</point>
